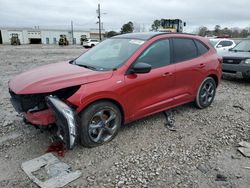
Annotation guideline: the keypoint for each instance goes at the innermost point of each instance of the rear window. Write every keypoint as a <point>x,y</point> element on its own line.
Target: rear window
<point>225,43</point>
<point>202,48</point>
<point>184,49</point>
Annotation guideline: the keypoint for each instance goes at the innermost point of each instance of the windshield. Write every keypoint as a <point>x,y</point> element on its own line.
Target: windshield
<point>243,46</point>
<point>109,54</point>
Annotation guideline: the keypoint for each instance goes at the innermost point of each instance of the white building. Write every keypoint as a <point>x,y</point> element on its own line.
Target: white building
<point>46,36</point>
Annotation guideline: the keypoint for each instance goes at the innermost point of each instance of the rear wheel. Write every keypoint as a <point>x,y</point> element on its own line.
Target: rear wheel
<point>100,123</point>
<point>92,45</point>
<point>206,93</point>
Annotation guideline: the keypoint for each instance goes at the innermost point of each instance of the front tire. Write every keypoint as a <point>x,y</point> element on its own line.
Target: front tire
<point>206,93</point>
<point>100,123</point>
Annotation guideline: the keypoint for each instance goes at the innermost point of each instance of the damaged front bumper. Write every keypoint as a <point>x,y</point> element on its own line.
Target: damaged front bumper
<point>66,120</point>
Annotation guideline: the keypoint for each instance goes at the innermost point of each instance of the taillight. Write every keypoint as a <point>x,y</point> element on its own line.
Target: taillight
<point>220,59</point>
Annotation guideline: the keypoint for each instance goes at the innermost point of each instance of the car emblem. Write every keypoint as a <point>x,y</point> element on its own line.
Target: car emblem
<point>230,61</point>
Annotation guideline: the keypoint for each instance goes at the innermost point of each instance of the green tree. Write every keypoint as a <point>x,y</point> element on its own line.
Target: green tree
<point>111,34</point>
<point>127,28</point>
<point>226,31</point>
<point>217,30</point>
<point>155,26</point>
<point>203,31</point>
<point>244,33</point>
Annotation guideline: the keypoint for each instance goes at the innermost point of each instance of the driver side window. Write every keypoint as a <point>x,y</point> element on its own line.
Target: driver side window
<point>157,55</point>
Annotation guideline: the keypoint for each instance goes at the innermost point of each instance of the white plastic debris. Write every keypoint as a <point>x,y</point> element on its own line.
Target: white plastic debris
<point>47,171</point>
<point>244,148</point>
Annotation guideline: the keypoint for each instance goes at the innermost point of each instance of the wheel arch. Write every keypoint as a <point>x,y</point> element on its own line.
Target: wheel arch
<point>118,104</point>
<point>215,77</point>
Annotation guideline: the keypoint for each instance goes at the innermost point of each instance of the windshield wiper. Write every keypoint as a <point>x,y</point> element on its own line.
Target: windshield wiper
<point>87,66</point>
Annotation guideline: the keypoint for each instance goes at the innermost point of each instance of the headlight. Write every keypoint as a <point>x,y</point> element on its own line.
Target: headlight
<point>247,61</point>
<point>66,120</point>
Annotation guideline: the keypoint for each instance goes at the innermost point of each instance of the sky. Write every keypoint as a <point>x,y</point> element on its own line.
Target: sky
<point>59,13</point>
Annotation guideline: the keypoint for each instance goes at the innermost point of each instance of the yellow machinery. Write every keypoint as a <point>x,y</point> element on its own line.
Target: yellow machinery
<point>83,39</point>
<point>172,25</point>
<point>63,40</point>
<point>14,39</point>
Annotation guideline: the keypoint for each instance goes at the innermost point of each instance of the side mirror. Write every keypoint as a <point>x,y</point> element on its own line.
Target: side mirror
<point>140,68</point>
<point>219,46</point>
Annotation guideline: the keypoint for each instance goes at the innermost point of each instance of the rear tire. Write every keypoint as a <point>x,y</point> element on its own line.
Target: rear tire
<point>100,123</point>
<point>206,93</point>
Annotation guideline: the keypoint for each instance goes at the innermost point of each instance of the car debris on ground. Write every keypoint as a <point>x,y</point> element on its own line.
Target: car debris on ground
<point>244,148</point>
<point>170,121</point>
<point>47,171</point>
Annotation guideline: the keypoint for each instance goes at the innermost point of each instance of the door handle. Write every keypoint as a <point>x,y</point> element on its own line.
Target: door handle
<point>167,74</point>
<point>202,65</point>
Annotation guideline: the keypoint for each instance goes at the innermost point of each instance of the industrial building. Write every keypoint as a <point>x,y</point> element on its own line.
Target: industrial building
<point>46,36</point>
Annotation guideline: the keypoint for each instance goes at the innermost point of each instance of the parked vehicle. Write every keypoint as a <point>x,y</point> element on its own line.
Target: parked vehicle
<point>89,43</point>
<point>222,45</point>
<point>237,59</point>
<point>83,39</point>
<point>124,78</point>
<point>172,25</point>
<point>14,39</point>
<point>63,41</point>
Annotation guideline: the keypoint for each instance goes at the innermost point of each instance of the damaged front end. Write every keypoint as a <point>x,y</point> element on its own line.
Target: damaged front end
<point>66,120</point>
<point>49,109</point>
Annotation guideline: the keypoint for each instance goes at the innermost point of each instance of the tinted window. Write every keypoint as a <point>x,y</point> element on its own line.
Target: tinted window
<point>157,55</point>
<point>202,49</point>
<point>225,43</point>
<point>184,49</point>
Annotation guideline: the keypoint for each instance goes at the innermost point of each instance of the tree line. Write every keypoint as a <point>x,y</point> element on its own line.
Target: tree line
<point>129,28</point>
<point>223,32</point>
<point>126,28</point>
<point>202,31</point>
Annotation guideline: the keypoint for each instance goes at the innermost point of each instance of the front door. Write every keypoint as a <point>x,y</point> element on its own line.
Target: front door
<point>151,92</point>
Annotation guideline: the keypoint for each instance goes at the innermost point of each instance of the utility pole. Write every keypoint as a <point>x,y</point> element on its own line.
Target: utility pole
<point>99,21</point>
<point>72,32</point>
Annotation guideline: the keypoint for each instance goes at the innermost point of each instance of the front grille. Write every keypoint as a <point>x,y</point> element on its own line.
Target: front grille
<point>32,102</point>
<point>232,60</point>
<point>36,102</point>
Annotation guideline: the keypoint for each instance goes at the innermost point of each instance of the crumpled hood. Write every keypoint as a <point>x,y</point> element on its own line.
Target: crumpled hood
<point>53,77</point>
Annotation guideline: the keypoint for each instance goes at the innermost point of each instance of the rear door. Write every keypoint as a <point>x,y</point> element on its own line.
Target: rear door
<point>151,92</point>
<point>190,67</point>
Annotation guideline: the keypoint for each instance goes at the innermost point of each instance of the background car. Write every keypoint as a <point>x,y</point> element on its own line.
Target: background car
<point>222,44</point>
<point>121,80</point>
<point>90,43</point>
<point>237,59</point>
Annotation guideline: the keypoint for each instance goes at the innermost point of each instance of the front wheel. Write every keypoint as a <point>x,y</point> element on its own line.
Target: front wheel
<point>100,123</point>
<point>206,93</point>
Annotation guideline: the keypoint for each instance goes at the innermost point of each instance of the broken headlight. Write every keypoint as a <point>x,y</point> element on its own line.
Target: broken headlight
<point>66,121</point>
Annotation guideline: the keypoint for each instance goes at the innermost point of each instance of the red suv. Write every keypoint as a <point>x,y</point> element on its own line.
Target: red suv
<point>122,79</point>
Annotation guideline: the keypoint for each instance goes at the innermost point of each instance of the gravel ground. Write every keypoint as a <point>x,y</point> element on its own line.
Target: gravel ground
<point>201,153</point>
